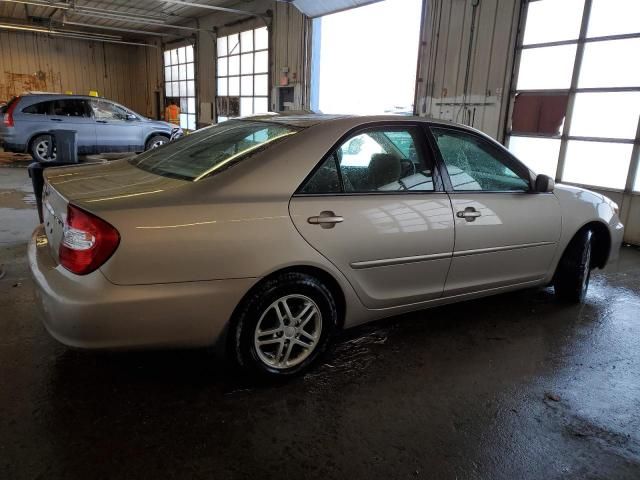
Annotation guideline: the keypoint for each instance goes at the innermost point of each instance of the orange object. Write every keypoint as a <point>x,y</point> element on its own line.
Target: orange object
<point>172,114</point>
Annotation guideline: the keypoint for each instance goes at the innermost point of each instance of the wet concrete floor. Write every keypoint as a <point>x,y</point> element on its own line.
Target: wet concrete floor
<point>513,386</point>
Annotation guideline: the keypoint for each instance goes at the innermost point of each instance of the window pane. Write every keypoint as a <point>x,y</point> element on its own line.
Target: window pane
<point>191,122</point>
<point>325,180</point>
<point>182,71</point>
<point>167,74</point>
<point>191,105</point>
<point>475,164</point>
<point>372,161</point>
<point>191,88</point>
<point>189,50</point>
<point>262,85</point>
<point>168,90</point>
<point>260,105</point>
<point>262,62</point>
<point>222,46</point>
<point>167,57</point>
<point>246,85</point>
<point>174,56</point>
<point>222,87</point>
<point>183,120</point>
<point>613,17</point>
<point>246,106</point>
<point>183,89</point>
<point>234,44</point>
<point>596,163</point>
<point>611,115</point>
<point>553,20</point>
<point>234,65</point>
<point>182,55</point>
<point>611,64</point>
<point>636,187</point>
<point>222,67</point>
<point>262,38</point>
<point>234,86</point>
<point>539,113</point>
<point>547,67</point>
<point>174,73</point>
<point>246,63</point>
<point>184,108</point>
<point>246,41</point>
<point>539,154</point>
<point>176,89</point>
<point>190,73</point>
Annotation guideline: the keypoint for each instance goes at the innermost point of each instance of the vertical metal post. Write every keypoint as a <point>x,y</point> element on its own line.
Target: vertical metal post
<point>577,65</point>
<point>634,166</point>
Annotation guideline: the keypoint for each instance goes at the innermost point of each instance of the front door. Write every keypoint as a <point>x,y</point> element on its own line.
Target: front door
<point>116,129</point>
<point>376,209</point>
<point>505,233</point>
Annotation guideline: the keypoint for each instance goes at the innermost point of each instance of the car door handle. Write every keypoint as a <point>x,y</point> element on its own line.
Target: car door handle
<point>55,119</point>
<point>469,214</point>
<point>101,121</point>
<point>326,219</point>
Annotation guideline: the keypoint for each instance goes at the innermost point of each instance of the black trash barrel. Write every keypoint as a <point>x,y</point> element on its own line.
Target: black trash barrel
<point>66,144</point>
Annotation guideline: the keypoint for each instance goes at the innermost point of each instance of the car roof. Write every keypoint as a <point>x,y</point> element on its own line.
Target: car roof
<point>309,119</point>
<point>56,96</point>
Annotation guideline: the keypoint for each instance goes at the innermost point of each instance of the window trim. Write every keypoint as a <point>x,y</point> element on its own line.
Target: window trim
<point>423,144</point>
<point>511,161</point>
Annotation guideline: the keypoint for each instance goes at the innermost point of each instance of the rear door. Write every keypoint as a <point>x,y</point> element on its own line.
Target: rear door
<point>375,208</point>
<point>505,234</point>
<point>73,114</point>
<point>116,131</point>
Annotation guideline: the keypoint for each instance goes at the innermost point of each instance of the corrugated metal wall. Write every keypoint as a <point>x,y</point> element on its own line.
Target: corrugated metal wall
<point>466,61</point>
<point>34,61</point>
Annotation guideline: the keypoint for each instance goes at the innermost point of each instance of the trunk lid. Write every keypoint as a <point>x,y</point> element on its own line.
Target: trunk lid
<point>116,184</point>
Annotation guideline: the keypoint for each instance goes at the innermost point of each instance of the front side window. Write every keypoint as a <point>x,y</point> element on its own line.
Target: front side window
<point>104,110</point>
<point>377,160</point>
<point>476,165</point>
<point>211,149</point>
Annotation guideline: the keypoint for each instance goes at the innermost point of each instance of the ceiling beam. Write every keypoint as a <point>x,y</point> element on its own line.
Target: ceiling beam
<point>185,3</point>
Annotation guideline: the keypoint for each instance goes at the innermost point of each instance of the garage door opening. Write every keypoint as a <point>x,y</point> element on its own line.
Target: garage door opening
<point>364,59</point>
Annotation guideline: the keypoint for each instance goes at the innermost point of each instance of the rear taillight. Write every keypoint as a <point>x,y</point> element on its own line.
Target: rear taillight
<point>8,118</point>
<point>87,241</point>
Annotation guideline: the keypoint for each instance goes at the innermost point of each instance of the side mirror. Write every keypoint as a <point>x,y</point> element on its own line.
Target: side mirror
<point>544,184</point>
<point>131,116</point>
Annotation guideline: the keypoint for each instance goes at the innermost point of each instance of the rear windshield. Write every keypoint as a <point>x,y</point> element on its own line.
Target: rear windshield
<point>211,149</point>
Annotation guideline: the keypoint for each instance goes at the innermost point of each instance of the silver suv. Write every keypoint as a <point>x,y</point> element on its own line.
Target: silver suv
<point>102,126</point>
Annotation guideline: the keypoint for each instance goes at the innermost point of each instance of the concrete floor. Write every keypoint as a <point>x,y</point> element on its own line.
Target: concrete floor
<point>514,386</point>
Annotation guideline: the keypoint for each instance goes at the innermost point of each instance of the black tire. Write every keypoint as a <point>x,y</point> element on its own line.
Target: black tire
<point>571,280</point>
<point>155,142</point>
<point>259,305</point>
<point>40,149</point>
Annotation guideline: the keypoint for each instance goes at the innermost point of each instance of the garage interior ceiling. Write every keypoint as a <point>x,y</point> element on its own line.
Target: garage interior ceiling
<point>150,17</point>
<point>317,8</point>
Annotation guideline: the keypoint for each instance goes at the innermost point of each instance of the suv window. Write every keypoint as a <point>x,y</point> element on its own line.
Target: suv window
<point>476,165</point>
<point>70,107</point>
<point>377,160</point>
<point>40,108</point>
<point>104,110</point>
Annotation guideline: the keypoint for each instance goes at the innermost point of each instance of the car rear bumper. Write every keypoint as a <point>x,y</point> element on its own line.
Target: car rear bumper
<point>91,312</point>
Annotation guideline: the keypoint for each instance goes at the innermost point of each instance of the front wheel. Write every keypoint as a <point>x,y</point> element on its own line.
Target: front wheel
<point>284,326</point>
<point>155,142</point>
<point>42,149</point>
<point>574,270</point>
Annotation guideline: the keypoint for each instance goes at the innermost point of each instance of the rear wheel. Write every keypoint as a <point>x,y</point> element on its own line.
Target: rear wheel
<point>284,326</point>
<point>571,281</point>
<point>42,149</point>
<point>155,142</point>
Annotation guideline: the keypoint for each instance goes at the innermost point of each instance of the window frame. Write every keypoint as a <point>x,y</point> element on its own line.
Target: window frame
<point>581,41</point>
<point>423,144</point>
<point>509,160</point>
<point>168,48</point>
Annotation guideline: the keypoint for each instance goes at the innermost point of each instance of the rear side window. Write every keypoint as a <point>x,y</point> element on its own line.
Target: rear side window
<point>211,149</point>
<point>40,108</point>
<point>388,159</point>
<point>71,107</point>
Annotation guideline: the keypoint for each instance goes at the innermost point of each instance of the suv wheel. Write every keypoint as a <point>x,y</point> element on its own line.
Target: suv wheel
<point>41,149</point>
<point>155,142</point>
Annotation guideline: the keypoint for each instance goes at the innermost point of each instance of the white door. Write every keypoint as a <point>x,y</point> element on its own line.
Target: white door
<point>505,233</point>
<point>375,209</point>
